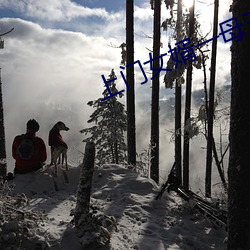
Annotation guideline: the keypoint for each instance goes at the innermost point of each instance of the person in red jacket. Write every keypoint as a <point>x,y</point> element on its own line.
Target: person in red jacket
<point>29,150</point>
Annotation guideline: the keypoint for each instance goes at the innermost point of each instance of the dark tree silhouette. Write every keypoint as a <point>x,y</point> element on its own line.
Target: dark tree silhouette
<point>188,103</point>
<point>3,162</point>
<point>131,129</point>
<point>239,160</point>
<point>210,139</point>
<point>178,156</point>
<point>110,124</point>
<point>175,77</point>
<point>154,168</point>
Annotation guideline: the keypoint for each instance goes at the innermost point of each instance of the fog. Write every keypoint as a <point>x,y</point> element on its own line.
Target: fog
<point>198,143</point>
<point>51,69</point>
<point>50,75</point>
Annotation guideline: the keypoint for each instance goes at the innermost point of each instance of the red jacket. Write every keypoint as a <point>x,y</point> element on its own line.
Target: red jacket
<point>55,139</point>
<point>37,159</point>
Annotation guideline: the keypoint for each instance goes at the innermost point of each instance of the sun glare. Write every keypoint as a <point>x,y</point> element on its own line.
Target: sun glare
<point>188,3</point>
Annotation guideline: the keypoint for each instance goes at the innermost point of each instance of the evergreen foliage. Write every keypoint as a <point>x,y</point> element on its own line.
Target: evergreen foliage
<point>182,29</point>
<point>110,119</point>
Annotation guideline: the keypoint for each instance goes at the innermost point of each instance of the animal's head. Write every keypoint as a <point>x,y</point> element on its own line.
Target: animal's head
<point>61,126</point>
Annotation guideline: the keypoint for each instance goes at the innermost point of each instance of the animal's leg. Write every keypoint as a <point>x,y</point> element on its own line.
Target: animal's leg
<point>55,158</point>
<point>51,156</point>
<point>63,158</point>
<point>59,159</point>
<point>66,161</point>
<point>56,170</point>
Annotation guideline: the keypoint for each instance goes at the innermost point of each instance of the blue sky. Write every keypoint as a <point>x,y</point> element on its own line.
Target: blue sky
<point>65,14</point>
<point>109,5</point>
<point>57,14</point>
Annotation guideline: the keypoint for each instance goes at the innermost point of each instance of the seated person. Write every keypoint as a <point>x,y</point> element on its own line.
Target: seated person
<point>28,150</point>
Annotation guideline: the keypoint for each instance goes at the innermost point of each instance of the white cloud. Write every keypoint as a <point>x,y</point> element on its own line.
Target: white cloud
<point>46,71</point>
<point>143,13</point>
<point>51,73</point>
<point>53,10</point>
<point>205,12</point>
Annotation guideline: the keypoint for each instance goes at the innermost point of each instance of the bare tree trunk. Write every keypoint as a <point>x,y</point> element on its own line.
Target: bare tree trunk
<point>3,161</point>
<point>188,104</point>
<point>93,231</point>
<point>178,158</point>
<point>239,159</point>
<point>81,215</point>
<point>218,163</point>
<point>131,131</point>
<point>154,168</point>
<point>116,152</point>
<point>216,158</point>
<point>211,103</point>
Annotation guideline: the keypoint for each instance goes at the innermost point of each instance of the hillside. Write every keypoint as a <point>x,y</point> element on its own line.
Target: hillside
<point>141,221</point>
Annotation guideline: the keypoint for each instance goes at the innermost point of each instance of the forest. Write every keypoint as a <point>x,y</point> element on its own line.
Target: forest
<point>214,118</point>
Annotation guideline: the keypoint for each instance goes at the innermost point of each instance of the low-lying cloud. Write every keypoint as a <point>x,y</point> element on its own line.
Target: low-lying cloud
<point>51,69</point>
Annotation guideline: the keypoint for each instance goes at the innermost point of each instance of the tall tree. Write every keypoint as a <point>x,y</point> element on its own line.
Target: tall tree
<point>239,159</point>
<point>188,103</point>
<point>3,162</point>
<point>175,77</point>
<point>154,168</point>
<point>131,128</point>
<point>211,103</point>
<point>178,155</point>
<point>110,125</point>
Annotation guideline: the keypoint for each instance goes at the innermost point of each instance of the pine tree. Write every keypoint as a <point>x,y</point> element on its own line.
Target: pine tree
<point>110,120</point>
<point>184,26</point>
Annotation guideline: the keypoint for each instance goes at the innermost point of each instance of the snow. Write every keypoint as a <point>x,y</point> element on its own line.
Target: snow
<point>141,221</point>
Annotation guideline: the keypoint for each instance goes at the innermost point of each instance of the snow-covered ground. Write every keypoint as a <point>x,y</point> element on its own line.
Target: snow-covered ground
<point>141,221</point>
